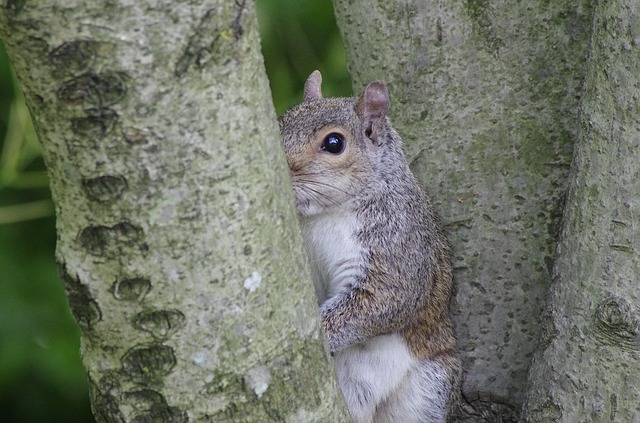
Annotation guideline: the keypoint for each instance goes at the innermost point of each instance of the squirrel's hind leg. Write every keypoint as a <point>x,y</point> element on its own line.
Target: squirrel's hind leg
<point>423,397</point>
<point>370,372</point>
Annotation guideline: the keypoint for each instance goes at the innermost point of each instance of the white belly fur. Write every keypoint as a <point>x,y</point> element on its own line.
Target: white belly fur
<point>370,372</point>
<point>335,254</point>
<point>382,382</point>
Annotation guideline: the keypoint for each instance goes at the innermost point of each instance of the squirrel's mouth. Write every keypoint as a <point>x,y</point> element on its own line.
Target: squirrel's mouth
<point>302,204</point>
<point>305,203</point>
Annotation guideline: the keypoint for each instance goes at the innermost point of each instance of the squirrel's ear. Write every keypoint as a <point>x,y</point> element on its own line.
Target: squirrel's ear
<point>372,108</point>
<point>313,86</point>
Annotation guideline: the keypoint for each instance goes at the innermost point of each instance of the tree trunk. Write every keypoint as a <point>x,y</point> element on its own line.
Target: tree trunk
<point>587,367</point>
<point>177,235</point>
<point>484,94</point>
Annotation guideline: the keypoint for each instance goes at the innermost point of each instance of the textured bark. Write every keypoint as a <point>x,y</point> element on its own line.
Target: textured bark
<point>484,94</point>
<point>587,368</point>
<point>177,235</point>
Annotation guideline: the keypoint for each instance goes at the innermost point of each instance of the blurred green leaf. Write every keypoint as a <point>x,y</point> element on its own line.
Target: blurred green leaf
<point>298,38</point>
<point>20,146</point>
<point>23,180</point>
<point>41,377</point>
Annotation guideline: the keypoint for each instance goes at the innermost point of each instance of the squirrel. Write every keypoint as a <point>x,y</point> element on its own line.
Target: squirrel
<point>379,258</point>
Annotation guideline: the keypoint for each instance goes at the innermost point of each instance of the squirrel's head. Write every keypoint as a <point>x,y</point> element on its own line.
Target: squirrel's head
<point>334,146</point>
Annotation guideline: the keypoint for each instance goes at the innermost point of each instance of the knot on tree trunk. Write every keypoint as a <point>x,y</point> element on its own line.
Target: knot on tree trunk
<point>616,324</point>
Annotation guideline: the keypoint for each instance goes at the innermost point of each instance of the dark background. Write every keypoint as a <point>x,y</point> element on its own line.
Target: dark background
<point>41,377</point>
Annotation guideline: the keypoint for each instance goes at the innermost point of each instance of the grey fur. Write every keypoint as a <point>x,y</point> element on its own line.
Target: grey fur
<point>396,276</point>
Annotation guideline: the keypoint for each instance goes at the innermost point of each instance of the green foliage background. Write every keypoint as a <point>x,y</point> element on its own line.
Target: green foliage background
<point>41,378</point>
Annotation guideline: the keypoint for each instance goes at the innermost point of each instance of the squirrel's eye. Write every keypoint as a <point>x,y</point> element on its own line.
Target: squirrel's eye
<point>333,143</point>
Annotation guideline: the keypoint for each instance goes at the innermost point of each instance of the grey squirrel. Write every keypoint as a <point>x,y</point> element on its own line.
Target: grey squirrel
<point>380,261</point>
